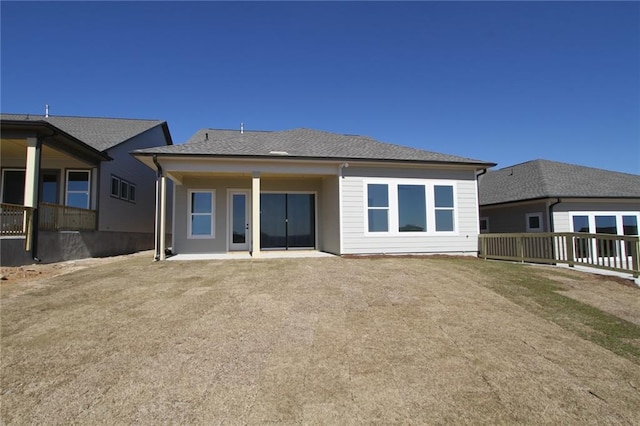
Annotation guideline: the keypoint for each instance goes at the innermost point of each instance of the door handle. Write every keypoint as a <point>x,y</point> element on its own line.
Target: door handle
<point>247,227</point>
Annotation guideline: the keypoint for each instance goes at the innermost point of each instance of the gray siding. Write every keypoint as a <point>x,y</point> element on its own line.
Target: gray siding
<point>356,241</point>
<point>505,219</point>
<point>119,215</point>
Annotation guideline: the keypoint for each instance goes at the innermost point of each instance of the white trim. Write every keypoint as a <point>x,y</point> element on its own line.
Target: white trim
<point>212,235</point>
<point>540,221</point>
<point>392,185</point>
<point>247,194</point>
<point>340,216</point>
<point>591,217</point>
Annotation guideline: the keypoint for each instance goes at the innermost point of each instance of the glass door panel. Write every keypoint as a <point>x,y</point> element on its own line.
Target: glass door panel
<point>273,216</point>
<point>300,221</point>
<point>606,225</point>
<point>239,238</point>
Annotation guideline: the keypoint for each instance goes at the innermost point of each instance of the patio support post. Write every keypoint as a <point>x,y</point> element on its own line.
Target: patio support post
<point>255,215</point>
<point>32,171</point>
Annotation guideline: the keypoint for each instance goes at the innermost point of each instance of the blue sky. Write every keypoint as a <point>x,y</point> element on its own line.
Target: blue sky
<point>505,82</point>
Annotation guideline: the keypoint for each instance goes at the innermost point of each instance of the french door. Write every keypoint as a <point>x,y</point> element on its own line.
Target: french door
<point>287,221</point>
<point>239,224</point>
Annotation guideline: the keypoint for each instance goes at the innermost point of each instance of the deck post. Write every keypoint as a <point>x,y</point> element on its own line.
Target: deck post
<point>569,242</point>
<point>255,215</point>
<point>635,257</point>
<point>31,178</point>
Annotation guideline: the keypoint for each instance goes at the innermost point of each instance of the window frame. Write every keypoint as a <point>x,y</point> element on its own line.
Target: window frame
<point>117,179</point>
<point>540,221</point>
<point>124,184</point>
<point>393,215</point>
<point>190,214</point>
<point>133,198</point>
<point>486,221</point>
<point>386,208</point>
<point>66,187</point>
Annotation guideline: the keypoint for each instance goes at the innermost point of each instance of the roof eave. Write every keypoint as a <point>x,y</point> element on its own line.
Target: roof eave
<point>476,165</point>
<point>70,143</point>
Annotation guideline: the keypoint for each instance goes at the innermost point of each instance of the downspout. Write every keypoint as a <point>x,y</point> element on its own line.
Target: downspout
<point>551,227</point>
<point>157,236</point>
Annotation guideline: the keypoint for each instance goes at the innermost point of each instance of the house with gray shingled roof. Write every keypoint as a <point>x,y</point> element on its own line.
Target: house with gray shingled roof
<point>249,192</point>
<point>75,178</point>
<point>549,196</point>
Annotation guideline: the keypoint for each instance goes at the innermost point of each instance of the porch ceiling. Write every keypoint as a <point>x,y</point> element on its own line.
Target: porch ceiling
<point>180,176</point>
<point>17,149</point>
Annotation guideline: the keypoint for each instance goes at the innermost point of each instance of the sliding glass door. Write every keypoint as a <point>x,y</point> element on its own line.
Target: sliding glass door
<point>287,221</point>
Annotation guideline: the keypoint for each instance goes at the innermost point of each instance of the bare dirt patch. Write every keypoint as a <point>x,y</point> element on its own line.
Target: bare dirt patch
<point>300,341</point>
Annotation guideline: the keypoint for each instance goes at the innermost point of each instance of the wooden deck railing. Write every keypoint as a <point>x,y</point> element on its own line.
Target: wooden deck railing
<point>54,217</point>
<point>15,219</point>
<point>613,252</point>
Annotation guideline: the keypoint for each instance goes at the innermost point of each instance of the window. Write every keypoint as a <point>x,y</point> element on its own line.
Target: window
<point>78,188</point>
<point>201,208</point>
<point>124,189</point>
<point>484,224</point>
<point>412,208</point>
<point>534,222</point>
<point>378,207</point>
<point>13,186</point>
<point>115,186</point>
<point>443,197</point>
<point>409,207</point>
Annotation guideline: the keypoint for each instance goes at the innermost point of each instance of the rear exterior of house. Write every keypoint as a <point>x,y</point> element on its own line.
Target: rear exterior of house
<point>76,178</point>
<point>549,196</point>
<point>304,189</point>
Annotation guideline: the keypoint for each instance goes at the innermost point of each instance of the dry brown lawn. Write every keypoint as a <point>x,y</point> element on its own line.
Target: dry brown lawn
<point>319,341</point>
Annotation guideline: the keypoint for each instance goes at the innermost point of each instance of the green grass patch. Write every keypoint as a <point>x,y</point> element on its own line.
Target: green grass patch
<point>541,295</point>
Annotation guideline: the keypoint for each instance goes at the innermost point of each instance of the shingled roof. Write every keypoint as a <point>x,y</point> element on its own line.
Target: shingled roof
<point>99,133</point>
<point>550,179</point>
<point>302,143</point>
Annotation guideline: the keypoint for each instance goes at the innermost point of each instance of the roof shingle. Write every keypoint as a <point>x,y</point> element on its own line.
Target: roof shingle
<point>550,179</point>
<point>99,133</point>
<point>302,143</point>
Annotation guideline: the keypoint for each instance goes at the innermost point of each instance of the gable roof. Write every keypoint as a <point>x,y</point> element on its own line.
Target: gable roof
<point>302,143</point>
<point>99,133</point>
<point>550,179</point>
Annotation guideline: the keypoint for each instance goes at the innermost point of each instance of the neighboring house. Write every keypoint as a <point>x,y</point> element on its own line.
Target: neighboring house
<point>548,196</point>
<point>307,189</point>
<point>88,196</point>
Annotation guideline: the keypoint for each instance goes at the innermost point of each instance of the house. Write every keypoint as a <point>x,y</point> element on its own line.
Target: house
<point>251,191</point>
<point>549,196</point>
<point>75,178</point>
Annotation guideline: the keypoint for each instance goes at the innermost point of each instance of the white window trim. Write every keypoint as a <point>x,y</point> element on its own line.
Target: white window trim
<point>66,187</point>
<point>387,208</point>
<point>392,185</point>
<point>539,216</point>
<point>591,215</point>
<point>213,214</point>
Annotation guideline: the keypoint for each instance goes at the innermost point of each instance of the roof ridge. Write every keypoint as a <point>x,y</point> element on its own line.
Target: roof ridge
<point>81,116</point>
